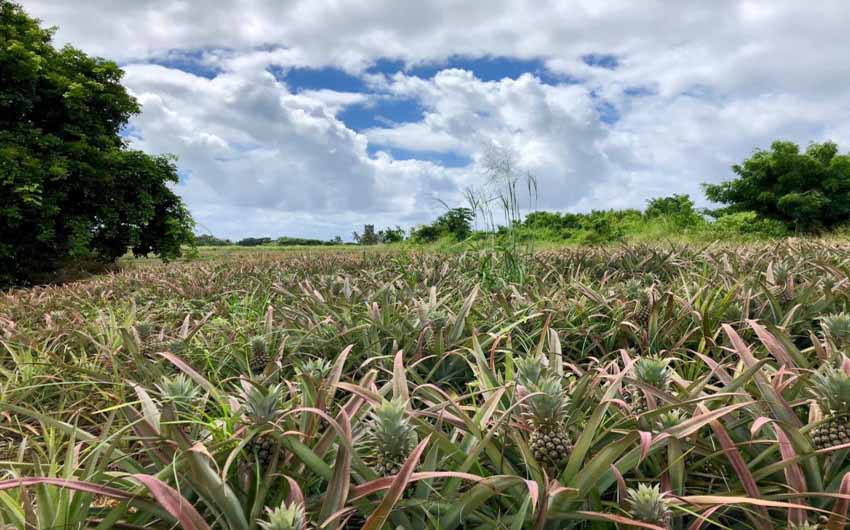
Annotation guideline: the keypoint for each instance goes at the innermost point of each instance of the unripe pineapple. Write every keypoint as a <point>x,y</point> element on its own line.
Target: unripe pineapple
<point>549,440</point>
<point>831,387</point>
<point>545,413</point>
<point>669,419</point>
<point>783,284</point>
<point>638,297</point>
<point>262,409</point>
<point>436,325</point>
<point>653,371</point>
<point>285,517</point>
<point>259,355</point>
<point>648,505</point>
<point>390,438</point>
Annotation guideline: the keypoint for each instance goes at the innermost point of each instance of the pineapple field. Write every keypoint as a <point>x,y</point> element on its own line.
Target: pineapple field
<point>665,387</point>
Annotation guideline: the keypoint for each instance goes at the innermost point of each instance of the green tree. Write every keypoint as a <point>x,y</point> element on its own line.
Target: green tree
<point>71,187</point>
<point>457,223</point>
<point>806,191</point>
<point>678,209</point>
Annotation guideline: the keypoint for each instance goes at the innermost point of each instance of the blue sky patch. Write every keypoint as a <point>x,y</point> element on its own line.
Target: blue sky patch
<point>601,60</point>
<point>637,91</point>
<point>190,61</point>
<point>298,79</point>
<point>486,68</point>
<point>445,159</point>
<point>381,112</point>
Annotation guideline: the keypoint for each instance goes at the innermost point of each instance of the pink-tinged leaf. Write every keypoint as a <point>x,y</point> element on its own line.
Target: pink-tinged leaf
<point>325,416</point>
<point>838,519</point>
<point>76,485</point>
<point>400,390</point>
<point>773,346</point>
<point>760,422</point>
<point>338,519</point>
<point>741,469</point>
<point>731,500</point>
<point>188,370</point>
<point>174,503</point>
<point>716,368</point>
<point>296,496</point>
<point>645,444</point>
<point>793,474</point>
<point>374,486</point>
<point>622,490</point>
<point>377,518</point>
<point>336,492</point>
<point>372,397</point>
<point>701,518</point>
<point>619,519</point>
<point>845,364</point>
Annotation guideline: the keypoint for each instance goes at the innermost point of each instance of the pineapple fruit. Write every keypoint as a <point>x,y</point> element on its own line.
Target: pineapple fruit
<point>390,438</point>
<point>262,407</point>
<point>258,357</point>
<point>653,371</point>
<point>648,505</point>
<point>831,388</point>
<point>435,326</point>
<point>545,413</point>
<point>285,517</point>
<point>636,294</point>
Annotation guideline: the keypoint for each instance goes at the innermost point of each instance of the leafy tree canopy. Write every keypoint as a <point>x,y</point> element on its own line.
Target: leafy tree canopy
<point>456,223</point>
<point>71,187</point>
<point>806,191</point>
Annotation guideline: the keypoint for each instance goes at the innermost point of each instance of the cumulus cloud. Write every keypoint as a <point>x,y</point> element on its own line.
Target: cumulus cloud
<point>685,90</point>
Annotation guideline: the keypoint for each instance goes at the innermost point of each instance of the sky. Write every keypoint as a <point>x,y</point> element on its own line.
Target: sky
<point>311,118</point>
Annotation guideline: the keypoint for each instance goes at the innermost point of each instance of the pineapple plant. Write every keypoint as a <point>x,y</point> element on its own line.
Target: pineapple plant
<point>435,325</point>
<point>653,371</point>
<point>648,504</point>
<point>262,407</point>
<point>258,357</point>
<point>285,517</point>
<point>545,413</point>
<point>180,391</point>
<point>806,525</point>
<point>831,388</point>
<point>836,328</point>
<point>639,298</point>
<point>390,437</point>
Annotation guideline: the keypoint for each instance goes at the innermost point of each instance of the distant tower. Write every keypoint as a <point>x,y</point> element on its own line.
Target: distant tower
<point>369,237</point>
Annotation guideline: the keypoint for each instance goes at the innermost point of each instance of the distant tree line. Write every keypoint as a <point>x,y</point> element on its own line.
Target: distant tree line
<point>213,241</point>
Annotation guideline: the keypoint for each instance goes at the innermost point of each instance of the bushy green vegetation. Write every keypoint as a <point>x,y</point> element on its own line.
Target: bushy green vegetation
<point>71,187</point>
<point>807,191</point>
<point>659,386</point>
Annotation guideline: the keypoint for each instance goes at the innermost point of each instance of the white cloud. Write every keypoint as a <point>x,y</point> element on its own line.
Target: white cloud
<point>716,79</point>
